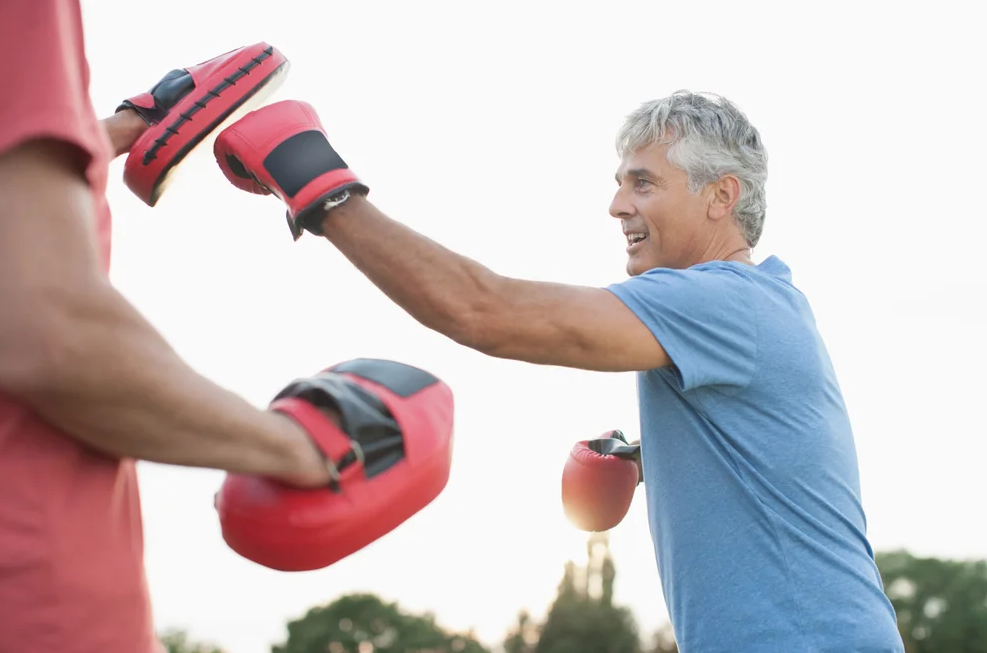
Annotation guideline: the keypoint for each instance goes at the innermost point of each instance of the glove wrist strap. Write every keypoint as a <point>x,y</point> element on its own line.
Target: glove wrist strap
<point>311,219</point>
<point>367,438</point>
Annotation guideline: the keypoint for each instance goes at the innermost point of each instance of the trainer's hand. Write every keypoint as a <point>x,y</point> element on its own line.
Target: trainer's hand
<point>383,437</point>
<point>599,480</point>
<point>282,149</point>
<point>308,468</point>
<point>123,129</point>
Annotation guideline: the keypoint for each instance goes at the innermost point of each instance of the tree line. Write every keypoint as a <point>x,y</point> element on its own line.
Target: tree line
<point>941,607</point>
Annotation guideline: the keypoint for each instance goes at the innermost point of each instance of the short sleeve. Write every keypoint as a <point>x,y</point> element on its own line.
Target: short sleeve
<point>703,317</point>
<point>45,77</point>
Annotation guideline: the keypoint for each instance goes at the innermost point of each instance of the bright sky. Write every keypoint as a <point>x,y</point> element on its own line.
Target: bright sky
<point>490,128</point>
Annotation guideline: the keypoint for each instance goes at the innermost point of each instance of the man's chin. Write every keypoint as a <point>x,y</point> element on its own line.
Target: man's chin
<point>635,267</point>
<point>641,258</point>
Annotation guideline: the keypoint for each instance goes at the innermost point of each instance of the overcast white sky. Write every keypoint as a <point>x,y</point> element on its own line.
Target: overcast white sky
<point>489,127</point>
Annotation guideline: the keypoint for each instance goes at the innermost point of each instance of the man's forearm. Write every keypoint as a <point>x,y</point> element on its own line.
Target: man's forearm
<point>443,290</point>
<point>111,381</point>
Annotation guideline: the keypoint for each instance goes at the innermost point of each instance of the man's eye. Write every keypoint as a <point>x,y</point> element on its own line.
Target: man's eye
<point>641,183</point>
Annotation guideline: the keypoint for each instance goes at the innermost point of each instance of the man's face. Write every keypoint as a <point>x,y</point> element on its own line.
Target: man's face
<point>664,222</point>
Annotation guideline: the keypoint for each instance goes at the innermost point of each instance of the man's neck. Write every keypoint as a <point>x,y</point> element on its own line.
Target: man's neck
<point>740,255</point>
<point>735,250</point>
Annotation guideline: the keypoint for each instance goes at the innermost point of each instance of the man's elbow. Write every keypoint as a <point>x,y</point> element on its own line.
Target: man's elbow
<point>480,328</point>
<point>476,319</point>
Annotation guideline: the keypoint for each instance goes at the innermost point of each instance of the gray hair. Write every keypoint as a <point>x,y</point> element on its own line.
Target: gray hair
<point>708,137</point>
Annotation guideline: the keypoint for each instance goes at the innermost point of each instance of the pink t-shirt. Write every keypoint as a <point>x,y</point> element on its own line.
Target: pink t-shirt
<point>72,574</point>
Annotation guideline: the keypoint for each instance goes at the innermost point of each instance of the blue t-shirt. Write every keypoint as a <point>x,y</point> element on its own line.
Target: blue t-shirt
<point>750,469</point>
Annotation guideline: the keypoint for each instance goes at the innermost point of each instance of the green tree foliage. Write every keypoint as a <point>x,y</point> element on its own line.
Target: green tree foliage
<point>583,616</point>
<point>523,637</point>
<point>664,641</point>
<point>941,604</point>
<point>589,626</point>
<point>941,607</point>
<point>362,623</point>
<point>176,641</point>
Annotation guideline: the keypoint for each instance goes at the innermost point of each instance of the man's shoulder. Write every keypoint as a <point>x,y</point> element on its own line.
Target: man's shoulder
<point>771,269</point>
<point>758,286</point>
<point>705,282</point>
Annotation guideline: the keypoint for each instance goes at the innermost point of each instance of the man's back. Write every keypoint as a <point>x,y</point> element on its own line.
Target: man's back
<point>751,471</point>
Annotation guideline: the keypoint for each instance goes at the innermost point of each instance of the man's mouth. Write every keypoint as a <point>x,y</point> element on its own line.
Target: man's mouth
<point>635,237</point>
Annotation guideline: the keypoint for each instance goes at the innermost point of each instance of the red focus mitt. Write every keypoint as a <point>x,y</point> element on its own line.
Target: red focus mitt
<point>599,480</point>
<point>282,149</point>
<point>188,104</point>
<point>389,458</point>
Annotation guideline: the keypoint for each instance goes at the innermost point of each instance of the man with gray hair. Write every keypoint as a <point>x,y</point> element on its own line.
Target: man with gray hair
<point>748,457</point>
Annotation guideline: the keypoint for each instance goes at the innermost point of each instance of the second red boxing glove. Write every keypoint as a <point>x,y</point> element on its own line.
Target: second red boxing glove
<point>599,480</point>
<point>283,150</point>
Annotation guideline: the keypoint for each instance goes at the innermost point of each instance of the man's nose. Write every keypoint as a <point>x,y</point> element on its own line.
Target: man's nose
<point>620,207</point>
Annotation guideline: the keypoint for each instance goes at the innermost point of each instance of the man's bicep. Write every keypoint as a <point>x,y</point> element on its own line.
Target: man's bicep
<point>574,326</point>
<point>48,252</point>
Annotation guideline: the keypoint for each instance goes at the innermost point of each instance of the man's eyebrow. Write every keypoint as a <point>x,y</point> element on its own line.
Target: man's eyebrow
<point>636,172</point>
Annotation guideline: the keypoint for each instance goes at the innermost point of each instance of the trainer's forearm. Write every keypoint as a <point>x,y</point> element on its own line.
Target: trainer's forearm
<point>112,381</point>
<point>443,290</point>
<point>123,129</point>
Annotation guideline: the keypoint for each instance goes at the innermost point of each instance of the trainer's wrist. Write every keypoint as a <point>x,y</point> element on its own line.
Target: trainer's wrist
<point>301,464</point>
<point>123,129</point>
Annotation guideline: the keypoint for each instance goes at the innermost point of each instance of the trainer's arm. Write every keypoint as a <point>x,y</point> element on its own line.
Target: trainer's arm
<point>76,352</point>
<point>123,129</point>
<point>536,322</point>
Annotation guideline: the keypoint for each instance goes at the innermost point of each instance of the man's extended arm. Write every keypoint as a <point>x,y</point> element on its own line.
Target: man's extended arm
<point>76,352</point>
<point>536,322</point>
<point>282,149</point>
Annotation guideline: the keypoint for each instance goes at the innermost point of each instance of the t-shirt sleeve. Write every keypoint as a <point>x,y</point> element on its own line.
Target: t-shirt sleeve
<point>45,77</point>
<point>703,317</point>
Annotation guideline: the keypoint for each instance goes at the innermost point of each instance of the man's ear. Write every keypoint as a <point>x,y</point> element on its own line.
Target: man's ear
<point>723,197</point>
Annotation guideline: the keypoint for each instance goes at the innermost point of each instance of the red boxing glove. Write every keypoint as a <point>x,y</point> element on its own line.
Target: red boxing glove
<point>282,149</point>
<point>599,480</point>
<point>187,105</point>
<point>388,459</point>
